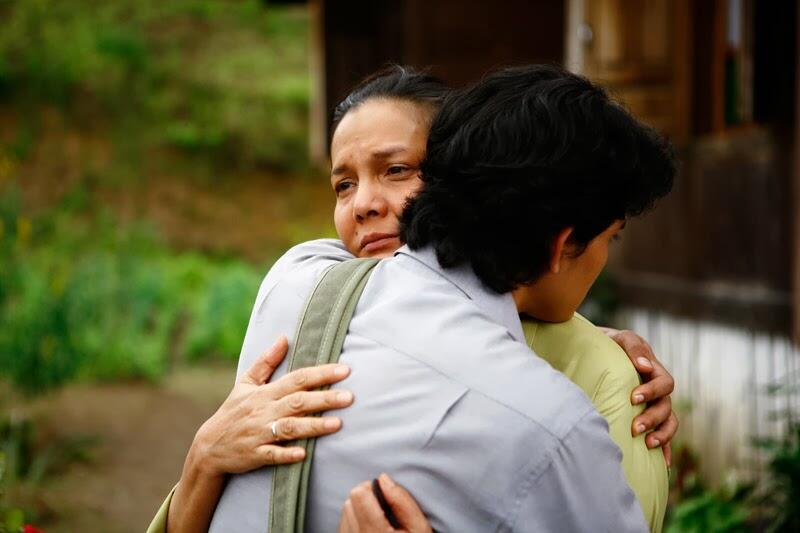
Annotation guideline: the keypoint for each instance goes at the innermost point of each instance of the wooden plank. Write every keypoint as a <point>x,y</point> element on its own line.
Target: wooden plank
<point>795,234</point>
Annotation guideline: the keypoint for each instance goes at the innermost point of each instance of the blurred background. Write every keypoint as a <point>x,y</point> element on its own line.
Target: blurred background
<point>157,156</point>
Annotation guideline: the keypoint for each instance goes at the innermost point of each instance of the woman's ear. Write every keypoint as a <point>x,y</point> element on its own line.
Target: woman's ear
<point>558,249</point>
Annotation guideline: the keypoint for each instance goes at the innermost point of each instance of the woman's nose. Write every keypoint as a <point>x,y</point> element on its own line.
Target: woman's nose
<point>369,201</point>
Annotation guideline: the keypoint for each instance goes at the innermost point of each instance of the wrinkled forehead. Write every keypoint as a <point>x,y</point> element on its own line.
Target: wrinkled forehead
<point>379,126</point>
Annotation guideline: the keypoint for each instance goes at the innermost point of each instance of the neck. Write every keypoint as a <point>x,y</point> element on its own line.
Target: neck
<point>541,300</point>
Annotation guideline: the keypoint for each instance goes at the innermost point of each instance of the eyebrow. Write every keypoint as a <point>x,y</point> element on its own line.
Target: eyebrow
<point>381,153</point>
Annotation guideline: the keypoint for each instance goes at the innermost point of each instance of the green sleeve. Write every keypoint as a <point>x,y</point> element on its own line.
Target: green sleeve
<point>645,469</point>
<point>159,523</point>
<point>602,370</point>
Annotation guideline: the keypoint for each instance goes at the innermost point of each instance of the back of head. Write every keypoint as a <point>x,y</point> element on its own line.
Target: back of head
<point>521,155</point>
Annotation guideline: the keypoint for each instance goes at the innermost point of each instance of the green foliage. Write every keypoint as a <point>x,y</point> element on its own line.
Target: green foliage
<point>27,459</point>
<point>712,512</point>
<point>226,82</point>
<point>217,328</point>
<point>782,495</point>
<point>82,297</point>
<point>772,504</point>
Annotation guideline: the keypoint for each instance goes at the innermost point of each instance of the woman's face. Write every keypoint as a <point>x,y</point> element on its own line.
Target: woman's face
<point>376,152</point>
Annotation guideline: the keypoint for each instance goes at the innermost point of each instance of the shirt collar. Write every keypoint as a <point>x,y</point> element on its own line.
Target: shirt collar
<point>498,307</point>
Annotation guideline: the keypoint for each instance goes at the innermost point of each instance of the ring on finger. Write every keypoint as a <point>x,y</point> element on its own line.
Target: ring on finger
<point>274,428</point>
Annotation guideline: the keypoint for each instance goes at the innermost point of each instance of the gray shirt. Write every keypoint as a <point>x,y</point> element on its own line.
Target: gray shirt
<point>448,400</point>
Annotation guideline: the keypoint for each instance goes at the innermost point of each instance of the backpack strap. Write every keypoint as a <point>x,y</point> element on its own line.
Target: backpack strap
<point>320,335</point>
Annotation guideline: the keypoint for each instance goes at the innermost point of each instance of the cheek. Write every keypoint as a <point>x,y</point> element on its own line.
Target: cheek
<point>345,226</point>
<point>600,259</point>
<point>404,190</point>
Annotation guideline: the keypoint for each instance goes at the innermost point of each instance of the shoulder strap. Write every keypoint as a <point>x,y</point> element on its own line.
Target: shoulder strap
<point>318,340</point>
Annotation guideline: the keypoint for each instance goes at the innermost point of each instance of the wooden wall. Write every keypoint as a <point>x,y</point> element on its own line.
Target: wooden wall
<point>458,40</point>
<point>721,247</point>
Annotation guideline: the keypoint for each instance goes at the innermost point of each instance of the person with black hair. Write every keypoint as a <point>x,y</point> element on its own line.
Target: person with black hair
<point>449,399</point>
<point>402,101</point>
<point>551,170</point>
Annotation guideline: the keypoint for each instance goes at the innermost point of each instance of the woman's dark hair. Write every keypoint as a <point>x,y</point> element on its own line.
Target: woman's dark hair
<point>393,82</point>
<point>521,155</point>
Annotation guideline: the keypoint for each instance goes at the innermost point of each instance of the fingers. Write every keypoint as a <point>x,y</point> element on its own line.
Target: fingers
<point>349,522</point>
<point>667,449</point>
<point>310,402</point>
<point>660,386</point>
<point>308,378</point>
<point>663,433</point>
<point>404,505</point>
<point>270,454</point>
<point>652,417</point>
<point>263,367</point>
<point>367,510</point>
<point>288,429</point>
<point>636,348</point>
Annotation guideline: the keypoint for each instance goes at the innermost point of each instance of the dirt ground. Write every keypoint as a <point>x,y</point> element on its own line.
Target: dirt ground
<point>144,431</point>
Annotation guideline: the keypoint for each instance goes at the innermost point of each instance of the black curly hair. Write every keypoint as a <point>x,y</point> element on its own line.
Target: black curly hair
<point>521,155</point>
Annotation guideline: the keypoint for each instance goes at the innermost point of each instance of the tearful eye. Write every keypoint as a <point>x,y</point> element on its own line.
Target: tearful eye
<point>397,169</point>
<point>342,187</point>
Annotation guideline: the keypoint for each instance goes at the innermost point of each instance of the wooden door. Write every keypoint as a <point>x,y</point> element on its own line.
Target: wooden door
<point>639,50</point>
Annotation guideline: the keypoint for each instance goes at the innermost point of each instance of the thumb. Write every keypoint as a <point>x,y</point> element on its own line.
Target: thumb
<point>404,505</point>
<point>263,367</point>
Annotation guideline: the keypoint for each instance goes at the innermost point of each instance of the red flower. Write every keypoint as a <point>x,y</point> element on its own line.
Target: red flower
<point>27,528</point>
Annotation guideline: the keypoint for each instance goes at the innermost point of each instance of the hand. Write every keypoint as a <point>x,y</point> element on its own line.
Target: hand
<point>239,436</point>
<point>656,388</point>
<point>363,514</point>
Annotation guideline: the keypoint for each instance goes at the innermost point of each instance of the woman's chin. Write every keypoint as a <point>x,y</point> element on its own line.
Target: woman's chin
<point>378,254</point>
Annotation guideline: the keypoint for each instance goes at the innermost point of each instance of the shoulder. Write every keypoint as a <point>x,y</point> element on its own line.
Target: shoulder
<point>301,265</point>
<point>316,251</point>
<point>490,363</point>
<point>585,354</point>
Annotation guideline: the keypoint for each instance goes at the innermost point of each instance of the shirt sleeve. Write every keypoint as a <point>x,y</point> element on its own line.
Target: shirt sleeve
<point>582,488</point>
<point>159,523</point>
<point>645,469</point>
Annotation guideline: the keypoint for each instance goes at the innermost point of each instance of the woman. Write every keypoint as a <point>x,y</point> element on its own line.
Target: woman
<point>380,133</point>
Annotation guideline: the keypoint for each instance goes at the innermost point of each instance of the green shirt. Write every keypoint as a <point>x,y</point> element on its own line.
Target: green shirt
<point>601,369</point>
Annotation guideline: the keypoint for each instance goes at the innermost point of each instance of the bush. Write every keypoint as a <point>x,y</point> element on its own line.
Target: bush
<point>782,495</point>
<point>220,320</point>
<point>224,81</point>
<point>89,299</point>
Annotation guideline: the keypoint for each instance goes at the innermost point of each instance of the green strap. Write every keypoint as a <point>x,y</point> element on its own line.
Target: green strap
<point>319,339</point>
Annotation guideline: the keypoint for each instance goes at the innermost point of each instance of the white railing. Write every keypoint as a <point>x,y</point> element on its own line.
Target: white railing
<point>723,379</point>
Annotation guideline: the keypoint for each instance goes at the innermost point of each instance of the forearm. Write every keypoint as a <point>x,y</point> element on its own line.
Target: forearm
<point>195,497</point>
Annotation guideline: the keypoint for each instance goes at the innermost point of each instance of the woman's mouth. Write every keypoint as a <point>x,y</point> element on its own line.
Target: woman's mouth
<point>374,242</point>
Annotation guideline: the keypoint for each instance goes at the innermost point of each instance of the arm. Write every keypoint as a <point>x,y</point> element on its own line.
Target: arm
<point>654,392</point>
<point>246,432</point>
<point>645,469</point>
<point>239,436</point>
<point>583,488</point>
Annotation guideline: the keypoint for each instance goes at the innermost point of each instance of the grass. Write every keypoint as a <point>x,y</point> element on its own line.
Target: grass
<point>131,92</point>
<point>223,81</point>
<point>83,297</point>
